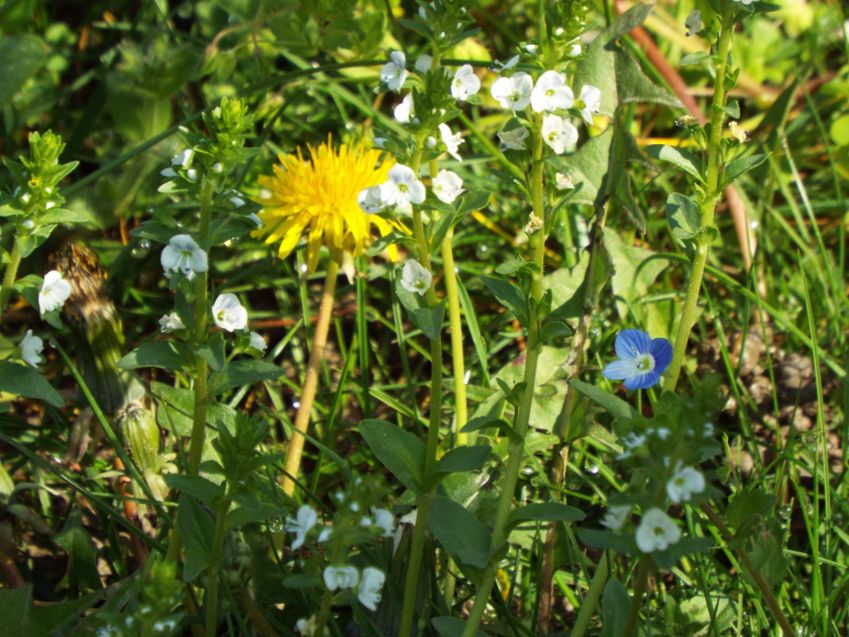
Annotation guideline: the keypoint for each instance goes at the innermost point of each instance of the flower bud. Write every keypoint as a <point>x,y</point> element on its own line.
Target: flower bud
<point>141,436</point>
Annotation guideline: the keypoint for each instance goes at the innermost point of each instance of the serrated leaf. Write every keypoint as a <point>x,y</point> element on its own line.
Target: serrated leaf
<point>399,451</point>
<point>459,532</point>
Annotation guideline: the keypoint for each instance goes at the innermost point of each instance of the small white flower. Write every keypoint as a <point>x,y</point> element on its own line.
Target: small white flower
<point>551,93</point>
<point>451,140</point>
<point>384,519</point>
<point>54,292</point>
<point>662,432</point>
<point>405,110</point>
<point>237,201</point>
<point>591,97</point>
<point>563,181</point>
<point>684,483</point>
<point>415,277</point>
<point>656,532</point>
<point>366,521</point>
<point>300,525</point>
<point>218,167</point>
<point>192,174</point>
<point>402,188</point>
<point>393,73</point>
<point>183,159</point>
<point>513,139</point>
<point>558,133</point>
<point>340,577</point>
<point>745,2</point>
<point>465,83</point>
<point>575,50</point>
<point>616,516</point>
<point>447,186</point>
<point>183,255</point>
<point>371,585</point>
<point>170,323</point>
<point>31,348</point>
<point>371,199</point>
<point>694,23</point>
<point>257,342</point>
<point>306,626</point>
<point>168,172</point>
<point>423,63</point>
<point>738,133</point>
<point>532,48</point>
<point>513,92</point>
<point>324,535</point>
<point>255,218</point>
<point>228,313</point>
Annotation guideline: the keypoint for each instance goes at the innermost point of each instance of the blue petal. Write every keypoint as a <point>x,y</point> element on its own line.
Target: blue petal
<point>620,370</point>
<point>632,343</point>
<point>643,381</point>
<point>661,351</point>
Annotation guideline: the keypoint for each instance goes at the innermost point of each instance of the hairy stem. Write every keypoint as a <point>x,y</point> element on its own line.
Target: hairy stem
<point>302,419</point>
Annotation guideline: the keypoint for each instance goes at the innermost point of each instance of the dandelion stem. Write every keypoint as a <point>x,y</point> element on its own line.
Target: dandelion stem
<point>9,275</point>
<point>516,450</point>
<point>319,341</point>
<point>713,191</point>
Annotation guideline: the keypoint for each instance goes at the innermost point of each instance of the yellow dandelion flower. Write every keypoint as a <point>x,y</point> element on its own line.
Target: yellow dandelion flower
<point>317,197</point>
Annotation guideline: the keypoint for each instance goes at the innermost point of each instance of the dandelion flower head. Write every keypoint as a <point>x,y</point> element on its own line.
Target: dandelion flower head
<point>317,197</point>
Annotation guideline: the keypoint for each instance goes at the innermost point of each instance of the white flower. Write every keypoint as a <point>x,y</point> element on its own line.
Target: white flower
<point>684,483</point>
<point>31,348</point>
<point>423,63</point>
<point>656,532</point>
<point>371,199</point>
<point>370,587</point>
<point>558,133</point>
<point>575,50</point>
<point>340,577</point>
<point>551,93</point>
<point>513,92</point>
<point>451,140</point>
<point>306,626</point>
<point>616,516</point>
<point>591,97</point>
<point>257,342</point>
<point>563,181</point>
<point>54,292</point>
<point>402,189</point>
<point>415,277</point>
<point>447,186</point>
<point>237,201</point>
<point>183,255</point>
<point>738,133</point>
<point>170,323</point>
<point>694,23</point>
<point>228,313</point>
<point>324,535</point>
<point>384,519</point>
<point>168,172</point>
<point>405,110</point>
<point>183,159</point>
<point>513,139</point>
<point>465,83</point>
<point>746,2</point>
<point>393,73</point>
<point>300,525</point>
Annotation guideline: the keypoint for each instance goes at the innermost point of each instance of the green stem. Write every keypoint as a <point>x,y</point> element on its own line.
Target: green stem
<point>426,497</point>
<point>590,601</point>
<point>323,612</point>
<point>516,448</point>
<point>9,275</point>
<point>637,599</point>
<point>212,576</point>
<point>713,192</point>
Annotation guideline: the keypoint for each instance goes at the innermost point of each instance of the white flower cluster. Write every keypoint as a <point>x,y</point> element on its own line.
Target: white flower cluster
<point>369,584</point>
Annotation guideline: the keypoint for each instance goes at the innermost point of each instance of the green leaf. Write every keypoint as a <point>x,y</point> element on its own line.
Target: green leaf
<point>243,372</point>
<point>400,451</point>
<point>614,405</point>
<point>605,539</point>
<point>82,558</point>
<point>509,295</point>
<point>680,158</point>
<point>429,319</point>
<point>166,354</point>
<point>65,216</point>
<point>195,486</point>
<point>588,167</point>
<point>462,459</point>
<point>684,546</point>
<point>740,166</point>
<point>24,55</point>
<point>473,201</point>
<point>747,503</point>
<point>615,604</point>
<point>697,57</point>
<point>26,381</point>
<point>213,351</point>
<point>196,530</point>
<point>545,512</point>
<point>684,217</point>
<point>459,532</point>
<point>452,627</point>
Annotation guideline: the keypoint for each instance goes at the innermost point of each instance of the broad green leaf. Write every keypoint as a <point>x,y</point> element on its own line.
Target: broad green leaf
<point>509,295</point>
<point>196,531</point>
<point>462,459</point>
<point>26,381</point>
<point>459,532</point>
<point>24,54</point>
<point>605,539</point>
<point>473,201</point>
<point>82,558</point>
<point>429,320</point>
<point>195,486</point>
<point>684,217</point>
<point>167,354</point>
<point>588,167</point>
<point>614,608</point>
<point>746,503</point>
<point>740,166</point>
<point>400,451</point>
<point>614,405</point>
<point>696,57</point>
<point>243,372</point>
<point>545,512</point>
<point>678,157</point>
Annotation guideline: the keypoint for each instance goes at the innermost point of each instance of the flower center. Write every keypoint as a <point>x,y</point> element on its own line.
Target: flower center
<point>645,363</point>
<point>549,92</point>
<point>658,531</point>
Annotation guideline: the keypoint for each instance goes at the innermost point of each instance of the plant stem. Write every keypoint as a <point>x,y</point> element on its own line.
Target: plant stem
<point>713,192</point>
<point>516,449</point>
<point>452,298</point>
<point>426,497</point>
<point>323,612</point>
<point>319,341</point>
<point>643,570</point>
<point>754,573</point>
<point>9,275</point>
<point>212,575</point>
<point>590,601</point>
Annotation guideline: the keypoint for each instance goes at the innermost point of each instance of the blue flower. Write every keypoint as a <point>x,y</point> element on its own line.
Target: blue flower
<point>641,359</point>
